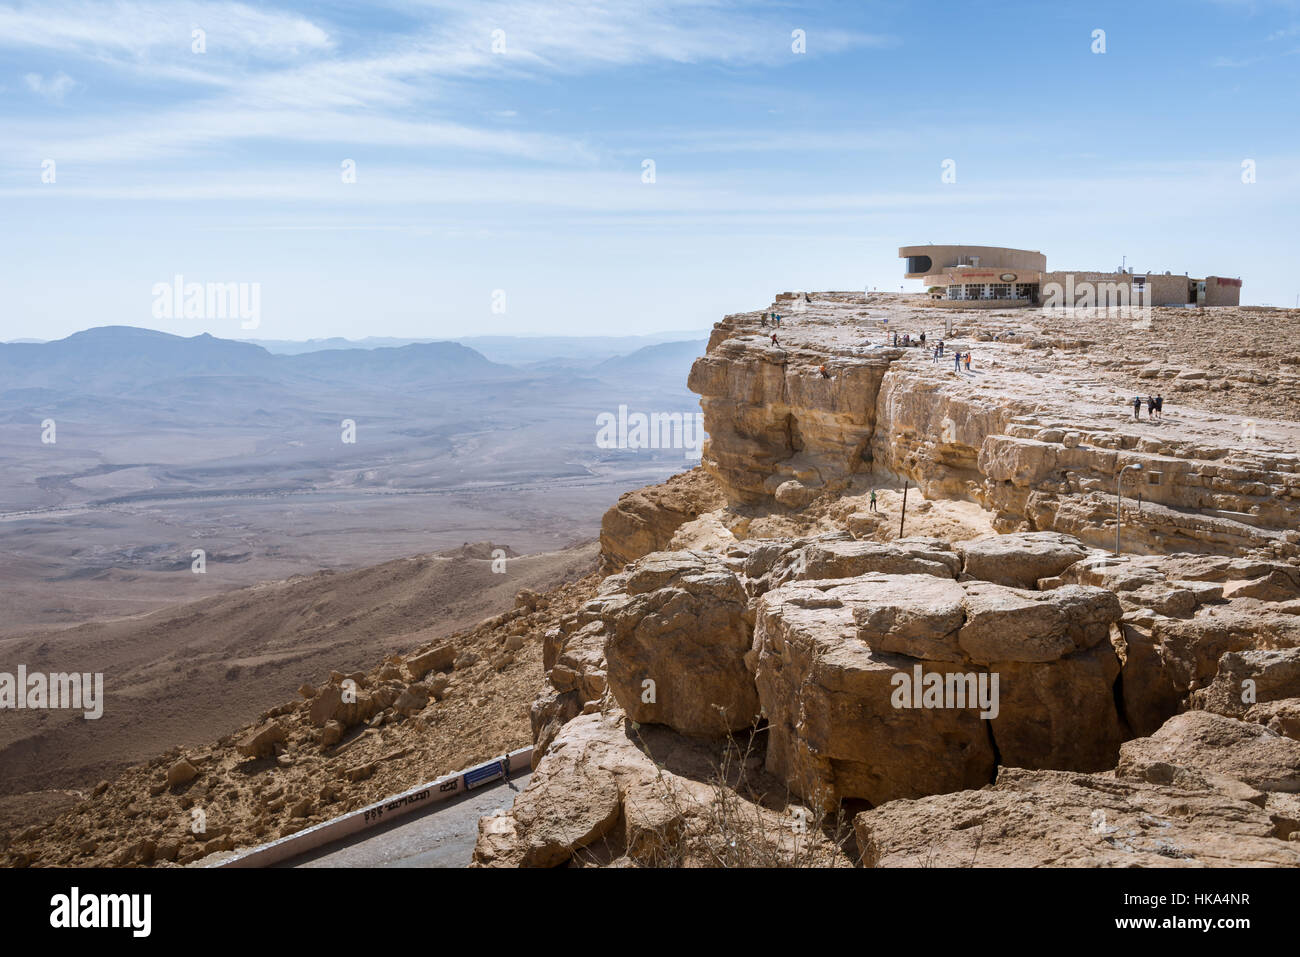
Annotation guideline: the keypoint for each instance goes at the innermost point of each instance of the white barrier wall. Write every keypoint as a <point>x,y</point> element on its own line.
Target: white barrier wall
<point>372,815</point>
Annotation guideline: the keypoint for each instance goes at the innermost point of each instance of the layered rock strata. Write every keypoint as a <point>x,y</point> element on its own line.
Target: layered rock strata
<point>782,432</point>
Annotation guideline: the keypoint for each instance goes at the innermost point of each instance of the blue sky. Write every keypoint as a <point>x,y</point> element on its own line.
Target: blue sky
<point>520,169</point>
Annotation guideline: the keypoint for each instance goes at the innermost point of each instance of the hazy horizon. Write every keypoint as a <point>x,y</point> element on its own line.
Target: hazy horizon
<point>660,336</point>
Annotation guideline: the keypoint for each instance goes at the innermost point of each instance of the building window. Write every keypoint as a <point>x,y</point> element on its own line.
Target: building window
<point>954,292</point>
<point>1000,290</point>
<point>1023,290</point>
<point>917,264</point>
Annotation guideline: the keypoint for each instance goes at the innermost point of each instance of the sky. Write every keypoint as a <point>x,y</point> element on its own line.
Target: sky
<point>447,168</point>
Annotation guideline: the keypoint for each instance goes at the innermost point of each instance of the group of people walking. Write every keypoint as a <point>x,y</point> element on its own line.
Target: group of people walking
<point>959,358</point>
<point>1155,407</point>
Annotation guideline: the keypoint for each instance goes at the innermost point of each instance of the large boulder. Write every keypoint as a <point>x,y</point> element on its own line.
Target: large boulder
<point>832,654</point>
<point>827,695</point>
<point>1280,717</point>
<point>347,705</point>
<point>1191,649</point>
<point>848,559</point>
<point>914,615</point>
<point>1276,585</point>
<point>572,800</point>
<point>181,772</point>
<point>1056,672</point>
<point>1247,678</point>
<point>1013,624</point>
<point>439,658</point>
<point>1020,559</point>
<point>607,793</point>
<point>676,644</point>
<point>261,741</point>
<point>1059,714</point>
<point>1067,819</point>
<point>1211,745</point>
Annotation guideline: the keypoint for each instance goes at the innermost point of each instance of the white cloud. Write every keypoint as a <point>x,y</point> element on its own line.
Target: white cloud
<point>275,76</point>
<point>151,29</point>
<point>182,133</point>
<point>513,192</point>
<point>54,88</point>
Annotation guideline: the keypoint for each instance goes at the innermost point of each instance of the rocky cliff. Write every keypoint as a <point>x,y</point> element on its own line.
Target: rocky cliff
<point>842,695</point>
<point>790,422</point>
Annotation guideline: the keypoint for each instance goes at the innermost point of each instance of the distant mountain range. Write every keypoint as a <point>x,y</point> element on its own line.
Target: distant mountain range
<point>133,375</point>
<point>511,350</point>
<point>523,350</point>
<point>117,358</point>
<point>664,359</point>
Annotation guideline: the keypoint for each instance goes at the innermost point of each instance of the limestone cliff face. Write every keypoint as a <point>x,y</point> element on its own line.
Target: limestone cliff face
<point>781,431</point>
<point>1037,469</point>
<point>933,434</point>
<point>806,658</point>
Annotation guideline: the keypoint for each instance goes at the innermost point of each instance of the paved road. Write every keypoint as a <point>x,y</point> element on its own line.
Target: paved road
<point>441,837</point>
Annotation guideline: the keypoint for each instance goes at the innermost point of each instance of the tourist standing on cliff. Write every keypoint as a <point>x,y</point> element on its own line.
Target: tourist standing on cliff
<point>956,361</point>
<point>1160,407</point>
<point>774,342</point>
<point>873,500</point>
<point>1137,407</point>
<point>1151,407</point>
<point>967,360</point>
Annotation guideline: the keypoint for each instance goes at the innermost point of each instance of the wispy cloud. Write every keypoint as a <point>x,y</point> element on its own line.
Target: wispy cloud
<point>275,76</point>
<point>157,29</point>
<point>53,88</point>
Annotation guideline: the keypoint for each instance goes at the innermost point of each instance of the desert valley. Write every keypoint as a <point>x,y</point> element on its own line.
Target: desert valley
<point>713,679</point>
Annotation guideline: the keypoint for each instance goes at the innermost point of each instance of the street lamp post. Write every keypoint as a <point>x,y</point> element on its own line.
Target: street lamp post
<point>1119,500</point>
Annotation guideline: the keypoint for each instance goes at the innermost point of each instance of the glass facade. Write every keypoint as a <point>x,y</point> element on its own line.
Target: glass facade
<point>991,290</point>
